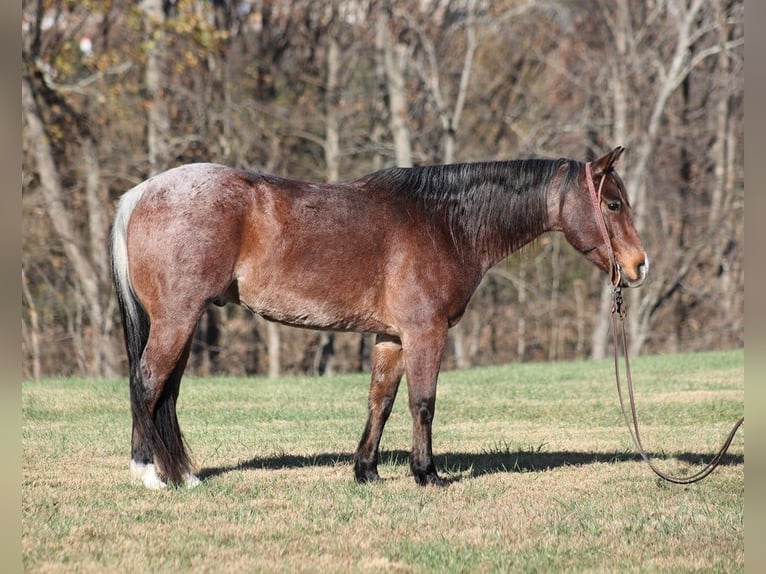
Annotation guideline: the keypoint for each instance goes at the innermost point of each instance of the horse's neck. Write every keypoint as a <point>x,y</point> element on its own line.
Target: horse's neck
<point>498,241</point>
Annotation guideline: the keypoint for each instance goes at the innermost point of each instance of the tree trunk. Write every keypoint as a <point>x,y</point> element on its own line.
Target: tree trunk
<point>450,122</point>
<point>274,330</point>
<point>521,324</point>
<point>618,82</point>
<point>100,359</point>
<point>324,357</point>
<point>600,340</point>
<point>394,60</point>
<point>723,159</point>
<point>274,346</point>
<point>555,321</point>
<point>155,78</point>
<point>97,200</point>
<point>34,327</point>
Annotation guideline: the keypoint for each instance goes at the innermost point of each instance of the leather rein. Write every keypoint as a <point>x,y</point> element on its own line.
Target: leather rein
<point>619,312</point>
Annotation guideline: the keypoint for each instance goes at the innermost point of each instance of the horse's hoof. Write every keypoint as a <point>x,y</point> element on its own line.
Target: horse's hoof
<point>430,479</point>
<point>146,474</point>
<point>191,481</point>
<point>436,480</point>
<point>366,476</point>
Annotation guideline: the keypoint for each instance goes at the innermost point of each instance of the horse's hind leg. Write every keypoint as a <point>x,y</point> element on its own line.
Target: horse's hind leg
<point>387,371</point>
<point>167,419</point>
<point>156,434</point>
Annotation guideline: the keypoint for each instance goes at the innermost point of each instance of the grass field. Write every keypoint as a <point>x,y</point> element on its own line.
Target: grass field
<point>543,477</point>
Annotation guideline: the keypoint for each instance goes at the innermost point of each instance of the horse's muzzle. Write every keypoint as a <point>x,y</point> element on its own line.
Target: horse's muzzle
<point>642,270</point>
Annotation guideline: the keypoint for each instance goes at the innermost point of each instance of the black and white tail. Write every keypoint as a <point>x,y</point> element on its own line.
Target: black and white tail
<point>156,436</point>
<point>135,321</point>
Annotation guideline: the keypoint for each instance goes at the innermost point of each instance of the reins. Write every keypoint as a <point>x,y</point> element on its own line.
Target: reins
<point>619,311</point>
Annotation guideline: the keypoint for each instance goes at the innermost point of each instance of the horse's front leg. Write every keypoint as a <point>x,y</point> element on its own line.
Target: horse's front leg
<point>422,355</point>
<point>387,371</point>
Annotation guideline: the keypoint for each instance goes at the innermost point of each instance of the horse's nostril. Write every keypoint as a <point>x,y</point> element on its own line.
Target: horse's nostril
<point>643,268</point>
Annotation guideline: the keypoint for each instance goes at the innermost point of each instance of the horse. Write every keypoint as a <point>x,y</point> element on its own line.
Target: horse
<point>397,253</point>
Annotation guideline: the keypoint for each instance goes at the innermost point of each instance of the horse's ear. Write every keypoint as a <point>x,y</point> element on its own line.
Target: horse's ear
<point>606,163</point>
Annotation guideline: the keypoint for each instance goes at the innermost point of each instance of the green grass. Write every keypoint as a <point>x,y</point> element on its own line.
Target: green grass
<point>542,476</point>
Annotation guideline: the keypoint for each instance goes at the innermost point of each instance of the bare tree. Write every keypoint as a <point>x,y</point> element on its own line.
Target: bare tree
<point>34,327</point>
<point>394,56</point>
<point>155,78</point>
<point>429,69</point>
<point>327,91</point>
<point>90,275</point>
<point>324,357</point>
<point>683,46</point>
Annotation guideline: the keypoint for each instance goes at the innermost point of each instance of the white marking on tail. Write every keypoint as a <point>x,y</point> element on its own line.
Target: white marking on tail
<point>125,208</point>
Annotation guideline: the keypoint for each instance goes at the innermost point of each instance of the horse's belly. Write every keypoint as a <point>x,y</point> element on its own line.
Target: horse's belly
<point>321,308</point>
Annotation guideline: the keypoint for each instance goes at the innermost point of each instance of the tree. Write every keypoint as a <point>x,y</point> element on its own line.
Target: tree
<point>60,157</point>
<point>155,78</point>
<point>684,47</point>
<point>115,91</point>
<point>394,55</point>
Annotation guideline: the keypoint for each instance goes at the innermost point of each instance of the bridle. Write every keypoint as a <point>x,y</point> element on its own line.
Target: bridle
<point>619,312</point>
<point>615,272</point>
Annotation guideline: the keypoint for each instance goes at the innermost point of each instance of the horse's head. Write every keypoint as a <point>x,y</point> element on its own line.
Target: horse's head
<point>579,221</point>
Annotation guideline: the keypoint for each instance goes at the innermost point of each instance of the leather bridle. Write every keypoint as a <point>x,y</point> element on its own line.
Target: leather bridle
<point>619,312</point>
<point>615,272</point>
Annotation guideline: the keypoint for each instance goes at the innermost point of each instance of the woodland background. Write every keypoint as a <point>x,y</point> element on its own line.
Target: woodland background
<point>115,90</point>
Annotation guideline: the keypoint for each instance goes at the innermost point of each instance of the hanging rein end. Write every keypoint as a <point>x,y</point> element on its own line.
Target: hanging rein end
<point>619,310</point>
<point>618,307</point>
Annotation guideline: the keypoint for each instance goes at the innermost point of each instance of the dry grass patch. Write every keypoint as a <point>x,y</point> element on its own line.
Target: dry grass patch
<point>542,476</point>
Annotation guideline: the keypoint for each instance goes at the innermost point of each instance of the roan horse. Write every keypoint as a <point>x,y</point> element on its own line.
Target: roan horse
<point>398,253</point>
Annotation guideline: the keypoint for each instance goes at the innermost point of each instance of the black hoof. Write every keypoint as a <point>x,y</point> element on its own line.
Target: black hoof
<point>429,479</point>
<point>364,474</point>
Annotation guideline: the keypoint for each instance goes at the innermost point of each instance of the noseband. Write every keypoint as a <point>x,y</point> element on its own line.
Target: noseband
<point>615,273</point>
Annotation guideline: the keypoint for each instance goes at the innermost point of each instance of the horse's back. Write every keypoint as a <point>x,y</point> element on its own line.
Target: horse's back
<point>335,256</point>
<point>197,182</point>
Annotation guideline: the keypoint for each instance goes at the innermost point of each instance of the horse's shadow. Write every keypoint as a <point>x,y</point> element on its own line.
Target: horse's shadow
<point>460,465</point>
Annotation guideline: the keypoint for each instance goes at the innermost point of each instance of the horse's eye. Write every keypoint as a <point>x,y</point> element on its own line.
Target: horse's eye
<point>613,206</point>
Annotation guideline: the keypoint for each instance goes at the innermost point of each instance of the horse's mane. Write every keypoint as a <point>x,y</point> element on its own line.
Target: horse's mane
<point>498,203</point>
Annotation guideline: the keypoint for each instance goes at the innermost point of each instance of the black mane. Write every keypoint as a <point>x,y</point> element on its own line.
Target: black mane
<point>494,206</point>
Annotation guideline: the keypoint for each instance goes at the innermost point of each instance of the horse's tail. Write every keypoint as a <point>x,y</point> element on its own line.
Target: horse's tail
<point>135,320</point>
<point>136,324</point>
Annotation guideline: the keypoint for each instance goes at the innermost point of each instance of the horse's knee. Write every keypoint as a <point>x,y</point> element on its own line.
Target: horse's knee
<point>424,414</point>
